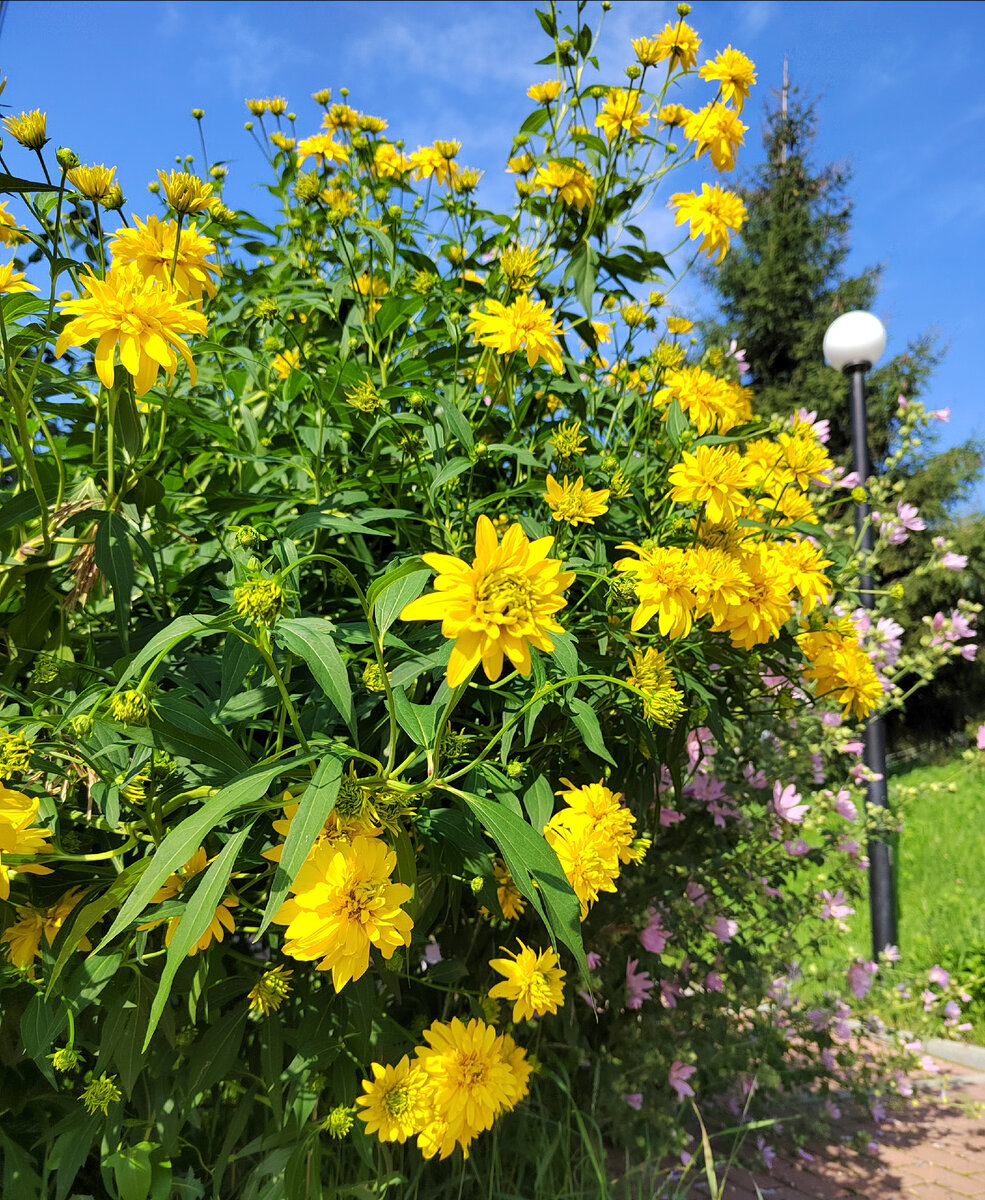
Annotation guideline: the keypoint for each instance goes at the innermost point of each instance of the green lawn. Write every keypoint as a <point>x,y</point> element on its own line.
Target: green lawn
<point>940,866</point>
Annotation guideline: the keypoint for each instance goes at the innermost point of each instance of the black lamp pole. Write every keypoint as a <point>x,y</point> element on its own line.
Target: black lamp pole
<point>882,898</point>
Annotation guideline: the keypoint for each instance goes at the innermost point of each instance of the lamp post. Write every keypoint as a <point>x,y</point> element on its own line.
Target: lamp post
<point>853,343</point>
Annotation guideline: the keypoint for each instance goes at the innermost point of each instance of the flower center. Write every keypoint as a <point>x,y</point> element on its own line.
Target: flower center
<point>396,1101</point>
<point>505,597</point>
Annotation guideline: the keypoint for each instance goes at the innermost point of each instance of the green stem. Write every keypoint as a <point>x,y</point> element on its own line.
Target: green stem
<point>262,645</point>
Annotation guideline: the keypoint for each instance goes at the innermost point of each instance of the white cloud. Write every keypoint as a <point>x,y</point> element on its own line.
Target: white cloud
<point>247,57</point>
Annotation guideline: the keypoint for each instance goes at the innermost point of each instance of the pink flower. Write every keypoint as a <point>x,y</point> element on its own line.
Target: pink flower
<point>786,803</point>
<point>980,738</point>
<point>669,993</point>
<point>638,985</point>
<point>845,806</point>
<point>758,779</point>
<point>724,929</point>
<point>714,982</point>
<point>798,848</point>
<point>670,816</point>
<point>968,651</point>
<point>860,976</point>
<point>938,975</point>
<point>767,1152</point>
<point>696,894</point>
<point>831,719</point>
<point>902,402</point>
<point>954,562</point>
<point>891,953</point>
<point>677,1077</point>
<point>634,1100</point>
<point>828,1060</point>
<point>738,355</point>
<point>929,999</point>
<point>834,906</point>
<point>593,960</point>
<point>431,955</point>
<point>853,747</point>
<point>654,938</point>
<point>942,414</point>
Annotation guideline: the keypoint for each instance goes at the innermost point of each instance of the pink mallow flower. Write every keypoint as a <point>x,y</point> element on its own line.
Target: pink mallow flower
<point>724,929</point>
<point>938,975</point>
<point>834,907</point>
<point>980,738</point>
<point>593,960</point>
<point>638,985</point>
<point>787,805</point>
<point>845,806</point>
<point>654,938</point>
<point>678,1077</point>
<point>954,562</point>
<point>860,976</point>
<point>634,1100</point>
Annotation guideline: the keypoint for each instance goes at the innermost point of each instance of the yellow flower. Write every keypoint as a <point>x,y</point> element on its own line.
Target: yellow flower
<point>510,898</point>
<point>573,502</point>
<point>270,991</point>
<point>473,1075</point>
<point>568,440</point>
<point>713,216</point>
<point>396,1104</point>
<point>369,124</point>
<point>93,182</point>
<point>323,148</point>
<point>674,115</point>
<point>612,822</point>
<point>633,314</point>
<point>10,231</point>
<point>663,700</point>
<point>341,116</point>
<point>713,476</point>
<point>679,325</point>
<point>276,105</point>
<point>338,1122</point>
<point>662,581</point>
<point>184,192</point>
<point>28,129</point>
<point>257,107</point>
<point>765,604</point>
<point>143,315</point>
<point>717,580</point>
<point>590,864</point>
<point>13,281</point>
<point>151,247</point>
<point>534,981</point>
<point>717,129</point>
<point>519,265</point>
<point>286,361</point>
<point>709,402</point>
<point>100,1093</point>
<point>621,113</point>
<point>23,937</point>
<point>502,604</point>
<point>841,669</point>
<point>679,43</point>
<point>428,161</point>
<point>573,185</point>
<point>648,51</point>
<point>523,325</point>
<point>544,93</point>
<point>520,165</point>
<point>389,162</point>
<point>370,286</point>
<point>735,72</point>
<point>15,754</point>
<point>343,905</point>
<point>17,815</point>
<point>282,141</point>
<point>220,921</point>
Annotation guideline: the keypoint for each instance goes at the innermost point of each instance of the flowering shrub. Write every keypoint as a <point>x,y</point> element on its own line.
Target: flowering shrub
<point>395,611</point>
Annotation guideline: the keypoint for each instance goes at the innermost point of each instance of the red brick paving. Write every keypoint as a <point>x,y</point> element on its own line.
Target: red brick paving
<point>933,1151</point>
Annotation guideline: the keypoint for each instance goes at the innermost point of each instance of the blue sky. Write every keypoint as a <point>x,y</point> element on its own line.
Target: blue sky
<point>898,87</point>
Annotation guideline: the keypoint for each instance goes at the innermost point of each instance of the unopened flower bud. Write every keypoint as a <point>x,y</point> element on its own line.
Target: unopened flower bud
<point>198,113</point>
<point>67,159</point>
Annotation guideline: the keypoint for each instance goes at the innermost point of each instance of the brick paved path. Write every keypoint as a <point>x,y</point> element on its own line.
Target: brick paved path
<point>934,1151</point>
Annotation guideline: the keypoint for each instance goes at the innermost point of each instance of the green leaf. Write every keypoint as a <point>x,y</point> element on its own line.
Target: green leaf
<point>454,421</point>
<point>165,641</point>
<point>375,234</point>
<point>126,422</point>
<point>587,724</point>
<point>583,265</point>
<point>402,588</point>
<point>538,800</point>
<point>418,721</point>
<point>451,470</point>
<point>565,653</point>
<point>313,811</point>
<point>114,558</point>
<point>529,858</point>
<point>182,842</point>
<point>10,184</point>
<point>677,423</point>
<point>198,915</point>
<point>183,728</point>
<point>71,1149</point>
<point>215,1054</point>
<point>309,639</point>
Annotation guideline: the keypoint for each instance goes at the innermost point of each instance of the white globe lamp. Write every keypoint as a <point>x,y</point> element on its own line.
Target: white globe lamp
<point>855,339</point>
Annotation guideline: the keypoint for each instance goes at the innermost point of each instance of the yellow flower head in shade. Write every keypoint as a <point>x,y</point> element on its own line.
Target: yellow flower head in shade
<point>572,185</point>
<point>15,754</point>
<point>389,162</point>
<point>534,982</point>
<point>473,1074</point>
<point>590,863</point>
<point>621,113</point>
<point>338,1122</point>
<point>663,700</point>
<point>714,216</point>
<point>13,281</point>
<point>501,605</point>
<point>674,115</point>
<point>841,670</point>
<point>151,246</point>
<point>10,231</point>
<point>23,937</point>
<point>286,361</point>
<point>523,325</point>
<point>396,1104</point>
<point>573,502</point>
<point>662,581</point>
<point>270,991</point>
<point>679,44</point>
<point>93,182</point>
<point>341,116</point>
<point>143,316</point>
<point>343,905</point>
<point>735,74</point>
<point>519,265</point>
<point>220,922</point>
<point>184,192</point>
<point>568,440</point>
<point>510,898</point>
<point>323,149</point>
<point>717,129</point>
<point>28,129</point>
<point>713,476</point>
<point>17,816</point>
<point>100,1093</point>
<point>544,93</point>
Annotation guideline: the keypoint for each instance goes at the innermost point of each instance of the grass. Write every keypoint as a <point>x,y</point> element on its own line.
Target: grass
<point>940,875</point>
